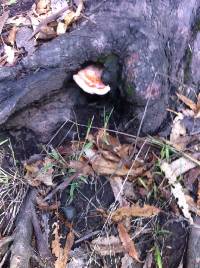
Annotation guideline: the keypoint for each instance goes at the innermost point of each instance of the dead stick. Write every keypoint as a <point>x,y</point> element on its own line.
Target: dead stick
<point>61,186</point>
<point>42,245</point>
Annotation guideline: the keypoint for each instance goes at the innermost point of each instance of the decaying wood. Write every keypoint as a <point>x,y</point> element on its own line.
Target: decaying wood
<point>21,249</point>
<point>193,251</point>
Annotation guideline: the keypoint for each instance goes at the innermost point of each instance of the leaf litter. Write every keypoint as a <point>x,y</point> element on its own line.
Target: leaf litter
<point>102,154</point>
<point>21,34</point>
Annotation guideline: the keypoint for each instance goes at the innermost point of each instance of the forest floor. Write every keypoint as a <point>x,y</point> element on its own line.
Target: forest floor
<point>103,198</point>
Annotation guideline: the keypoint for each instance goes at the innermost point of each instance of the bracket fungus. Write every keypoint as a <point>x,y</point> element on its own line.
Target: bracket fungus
<point>89,80</point>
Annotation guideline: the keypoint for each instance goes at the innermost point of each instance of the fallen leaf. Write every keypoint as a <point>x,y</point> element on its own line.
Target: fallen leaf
<point>178,132</point>
<point>187,102</point>
<point>191,178</point>
<point>193,207</point>
<point>3,19</point>
<point>47,20</point>
<point>12,35</point>
<point>110,156</point>
<point>83,168</point>
<point>69,17</point>
<point>134,211</point>
<point>61,254</point>
<point>42,6</point>
<point>46,33</point>
<point>172,171</point>
<point>103,166</point>
<point>127,242</point>
<point>105,141</point>
<point>116,184</point>
<point>39,172</point>
<point>107,245</point>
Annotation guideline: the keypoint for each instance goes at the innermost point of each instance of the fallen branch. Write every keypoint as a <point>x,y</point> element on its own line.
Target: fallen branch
<point>21,250</point>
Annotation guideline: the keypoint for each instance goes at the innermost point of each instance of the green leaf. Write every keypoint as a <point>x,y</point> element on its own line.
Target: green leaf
<point>158,257</point>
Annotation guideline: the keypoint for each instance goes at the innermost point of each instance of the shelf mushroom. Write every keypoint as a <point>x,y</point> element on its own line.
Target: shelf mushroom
<point>89,80</point>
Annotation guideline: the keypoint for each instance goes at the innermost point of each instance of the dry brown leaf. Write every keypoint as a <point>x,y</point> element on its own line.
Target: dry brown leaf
<point>83,168</point>
<point>51,18</point>
<point>187,102</point>
<point>124,150</point>
<point>134,211</point>
<point>193,207</point>
<point>42,6</point>
<point>39,172</point>
<point>110,156</point>
<point>12,35</point>
<point>127,242</point>
<point>103,166</point>
<point>3,19</point>
<point>198,106</point>
<point>69,17</point>
<point>62,254</point>
<point>178,132</point>
<point>105,141</point>
<point>46,33</point>
<point>107,245</point>
<point>117,188</point>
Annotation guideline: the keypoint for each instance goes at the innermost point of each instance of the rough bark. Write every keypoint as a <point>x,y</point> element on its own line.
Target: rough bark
<point>151,39</point>
<point>21,251</point>
<point>193,251</point>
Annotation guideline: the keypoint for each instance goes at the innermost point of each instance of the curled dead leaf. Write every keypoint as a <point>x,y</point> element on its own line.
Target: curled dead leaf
<point>12,35</point>
<point>46,33</point>
<point>134,211</point>
<point>117,188</point>
<point>127,242</point>
<point>192,105</point>
<point>103,166</point>
<point>106,141</point>
<point>82,168</point>
<point>107,245</point>
<point>42,6</point>
<point>39,172</point>
<point>61,254</point>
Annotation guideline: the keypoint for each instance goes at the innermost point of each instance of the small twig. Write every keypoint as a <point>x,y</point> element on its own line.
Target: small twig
<point>61,186</point>
<point>87,236</point>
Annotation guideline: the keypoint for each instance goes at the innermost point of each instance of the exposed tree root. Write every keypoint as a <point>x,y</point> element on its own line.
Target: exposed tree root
<point>193,251</point>
<point>21,250</point>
